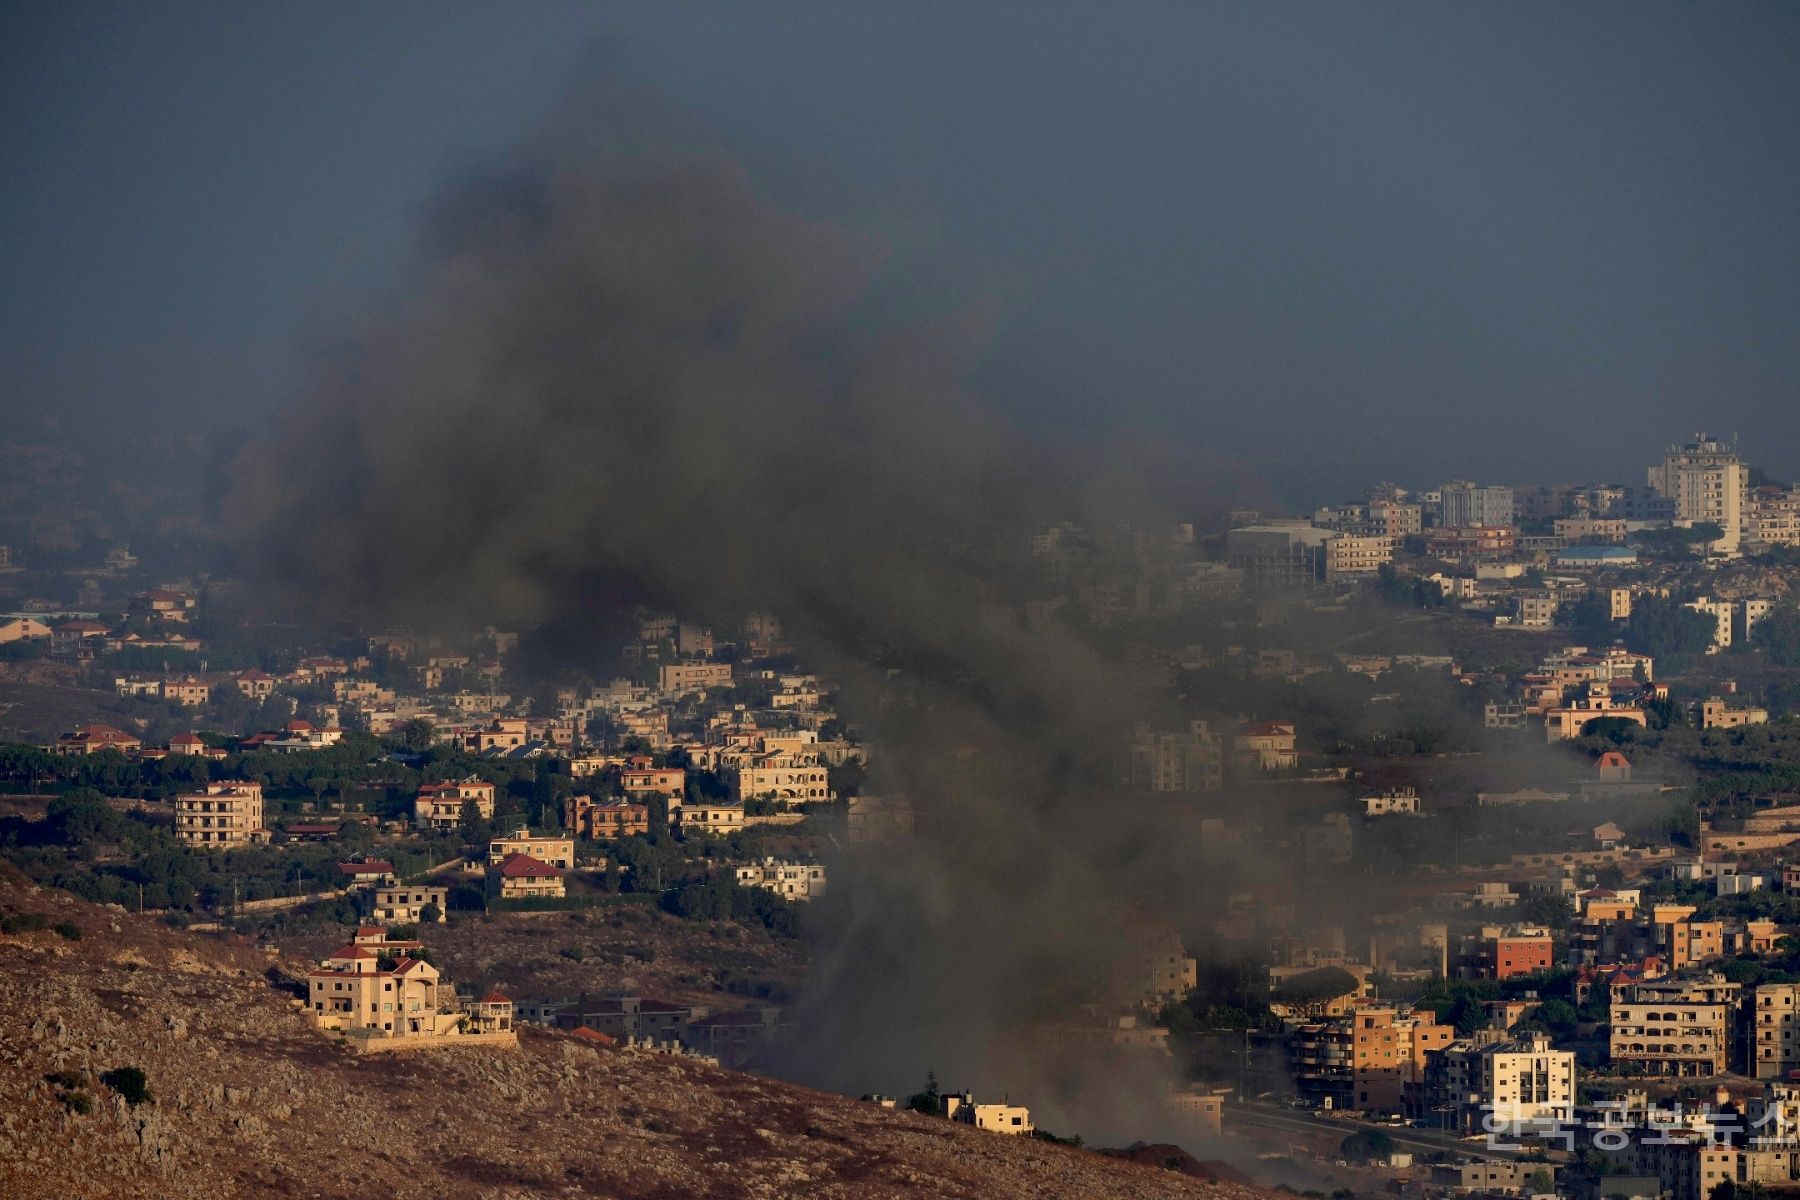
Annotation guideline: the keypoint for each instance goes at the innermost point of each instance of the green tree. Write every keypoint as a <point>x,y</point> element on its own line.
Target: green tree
<point>1590,617</point>
<point>927,1099</point>
<point>1674,635</point>
<point>417,735</point>
<point>130,1083</point>
<point>1310,987</point>
<point>472,827</point>
<point>1778,635</point>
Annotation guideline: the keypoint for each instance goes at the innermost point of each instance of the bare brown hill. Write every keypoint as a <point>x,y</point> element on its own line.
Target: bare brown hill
<point>246,1100</point>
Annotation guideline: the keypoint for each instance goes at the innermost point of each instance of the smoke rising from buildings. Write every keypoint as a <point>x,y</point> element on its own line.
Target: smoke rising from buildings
<point>624,374</point>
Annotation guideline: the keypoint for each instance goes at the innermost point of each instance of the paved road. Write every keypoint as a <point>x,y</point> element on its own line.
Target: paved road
<point>1294,1121</point>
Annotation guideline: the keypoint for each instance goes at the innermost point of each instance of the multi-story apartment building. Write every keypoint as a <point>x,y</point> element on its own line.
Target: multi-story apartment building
<point>1348,555</point>
<point>1278,554</point>
<point>1488,1082</point>
<point>683,677</point>
<point>1691,1164</point>
<point>1463,504</point>
<point>874,819</point>
<point>1370,1059</point>
<point>1473,541</point>
<point>1751,611</point>
<point>1721,613</point>
<point>352,992</point>
<point>224,816</point>
<point>1500,952</point>
<point>1774,518</point>
<point>188,691</point>
<point>641,781</point>
<point>1538,608</point>
<point>1178,762</point>
<point>1590,529</point>
<point>1394,519</point>
<point>793,778</point>
<point>1675,1027</point>
<point>1775,1030</point>
<point>1708,483</point>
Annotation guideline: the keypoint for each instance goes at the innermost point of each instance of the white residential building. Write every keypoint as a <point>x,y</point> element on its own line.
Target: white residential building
<point>790,881</point>
<point>1708,483</point>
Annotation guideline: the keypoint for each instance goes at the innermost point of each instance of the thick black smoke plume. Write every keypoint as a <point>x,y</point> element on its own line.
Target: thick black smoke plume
<point>625,373</point>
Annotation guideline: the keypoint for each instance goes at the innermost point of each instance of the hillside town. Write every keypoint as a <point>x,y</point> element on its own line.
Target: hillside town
<point>1498,787</point>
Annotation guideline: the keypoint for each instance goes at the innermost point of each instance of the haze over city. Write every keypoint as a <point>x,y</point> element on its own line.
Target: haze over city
<point>1282,235</point>
<point>622,600</point>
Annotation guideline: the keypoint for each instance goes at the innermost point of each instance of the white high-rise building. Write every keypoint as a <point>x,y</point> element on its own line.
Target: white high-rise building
<point>1707,482</point>
<point>1463,504</point>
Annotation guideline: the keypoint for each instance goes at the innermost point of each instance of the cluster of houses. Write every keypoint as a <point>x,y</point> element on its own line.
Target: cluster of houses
<point>1578,528</point>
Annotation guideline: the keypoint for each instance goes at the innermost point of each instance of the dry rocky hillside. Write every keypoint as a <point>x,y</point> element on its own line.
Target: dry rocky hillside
<point>246,1100</point>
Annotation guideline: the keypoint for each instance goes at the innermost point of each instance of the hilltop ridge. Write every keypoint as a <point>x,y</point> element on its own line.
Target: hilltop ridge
<point>247,1099</point>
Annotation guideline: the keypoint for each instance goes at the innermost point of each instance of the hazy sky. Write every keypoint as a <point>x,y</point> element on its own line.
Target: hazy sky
<point>1528,242</point>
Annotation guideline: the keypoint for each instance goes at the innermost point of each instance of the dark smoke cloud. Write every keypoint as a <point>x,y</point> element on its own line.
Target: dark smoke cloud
<point>622,372</point>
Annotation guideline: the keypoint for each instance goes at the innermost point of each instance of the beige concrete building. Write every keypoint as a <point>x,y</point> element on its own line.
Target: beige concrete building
<point>522,877</point>
<point>352,993</point>
<point>1664,1036</point>
<point>1716,714</point>
<point>1590,529</point>
<point>1348,556</point>
<point>1708,483</point>
<point>559,852</point>
<point>94,739</point>
<point>439,806</point>
<point>1774,518</point>
<point>23,629</point>
<point>405,904</point>
<point>188,691</point>
<point>789,880</point>
<point>226,815</point>
<point>713,818</point>
<point>1014,1119</point>
<point>790,778</point>
<point>1178,762</point>
<point>681,678</point>
<point>639,782</point>
<point>585,817</point>
<point>1565,721</point>
<point>1498,1084</point>
<point>874,819</point>
<point>1775,1031</point>
<point>1721,613</point>
<point>503,733</point>
<point>1267,745</point>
